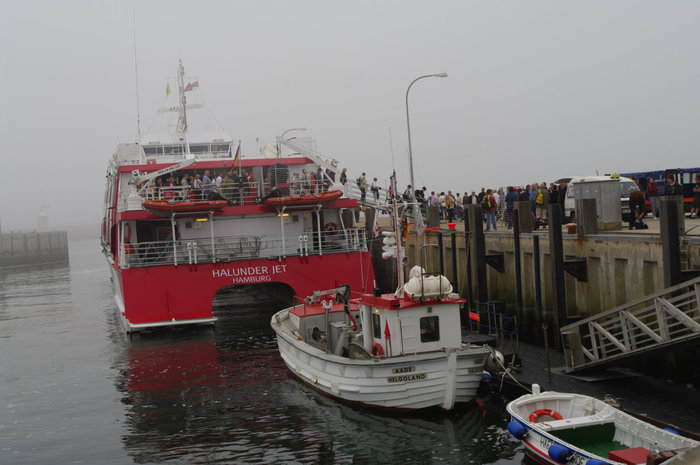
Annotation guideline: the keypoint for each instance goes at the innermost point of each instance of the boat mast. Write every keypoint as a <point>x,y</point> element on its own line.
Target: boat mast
<point>397,229</point>
<point>182,114</point>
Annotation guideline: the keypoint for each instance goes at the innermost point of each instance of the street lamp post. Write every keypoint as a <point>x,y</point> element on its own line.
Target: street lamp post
<point>408,125</point>
<point>279,148</point>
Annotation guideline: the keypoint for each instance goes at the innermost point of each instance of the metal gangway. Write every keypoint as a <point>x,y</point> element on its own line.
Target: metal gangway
<point>351,189</point>
<point>652,323</point>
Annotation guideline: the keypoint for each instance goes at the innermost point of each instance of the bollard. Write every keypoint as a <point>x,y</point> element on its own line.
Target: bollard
<point>556,258</point>
<point>524,216</point>
<point>441,253</point>
<point>467,247</point>
<point>479,251</point>
<point>518,271</point>
<point>453,238</point>
<point>587,218</point>
<point>538,284</point>
<point>433,216</point>
<point>670,240</point>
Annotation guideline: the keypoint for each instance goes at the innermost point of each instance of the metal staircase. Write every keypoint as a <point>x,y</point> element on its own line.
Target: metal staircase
<point>655,322</point>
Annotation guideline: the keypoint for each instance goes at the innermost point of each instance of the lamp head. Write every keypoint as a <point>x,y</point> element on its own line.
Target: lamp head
<point>440,75</point>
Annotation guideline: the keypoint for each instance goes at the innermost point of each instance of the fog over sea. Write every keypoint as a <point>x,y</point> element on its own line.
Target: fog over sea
<point>75,389</point>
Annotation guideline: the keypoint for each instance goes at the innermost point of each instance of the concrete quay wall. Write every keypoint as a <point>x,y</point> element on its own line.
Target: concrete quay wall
<point>621,267</point>
<point>17,248</point>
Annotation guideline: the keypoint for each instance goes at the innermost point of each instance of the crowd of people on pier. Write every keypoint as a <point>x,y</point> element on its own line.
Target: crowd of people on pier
<point>498,203</point>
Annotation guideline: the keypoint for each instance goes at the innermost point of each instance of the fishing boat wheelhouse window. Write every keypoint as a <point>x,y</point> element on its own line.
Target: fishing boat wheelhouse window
<point>376,325</point>
<point>429,329</point>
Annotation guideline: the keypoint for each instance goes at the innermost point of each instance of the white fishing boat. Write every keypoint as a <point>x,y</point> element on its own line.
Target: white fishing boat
<point>562,428</point>
<point>400,351</point>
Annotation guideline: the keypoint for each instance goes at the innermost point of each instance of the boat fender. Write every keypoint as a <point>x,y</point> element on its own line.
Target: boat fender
<point>517,429</point>
<point>671,430</point>
<point>544,411</point>
<point>593,461</point>
<point>559,453</point>
<point>377,350</point>
<point>330,228</point>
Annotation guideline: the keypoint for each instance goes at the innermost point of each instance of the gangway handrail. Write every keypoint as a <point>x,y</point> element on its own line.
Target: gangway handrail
<point>634,303</point>
<point>660,320</point>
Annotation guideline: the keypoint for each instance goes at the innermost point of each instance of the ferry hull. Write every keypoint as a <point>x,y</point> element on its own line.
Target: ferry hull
<point>179,295</point>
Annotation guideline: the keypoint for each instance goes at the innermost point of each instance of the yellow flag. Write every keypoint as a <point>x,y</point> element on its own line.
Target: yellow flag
<point>167,90</point>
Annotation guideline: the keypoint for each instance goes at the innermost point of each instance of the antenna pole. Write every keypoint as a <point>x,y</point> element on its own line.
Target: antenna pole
<point>136,74</point>
<point>391,147</point>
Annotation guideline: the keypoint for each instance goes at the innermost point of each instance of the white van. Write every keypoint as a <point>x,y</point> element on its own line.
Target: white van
<point>627,186</point>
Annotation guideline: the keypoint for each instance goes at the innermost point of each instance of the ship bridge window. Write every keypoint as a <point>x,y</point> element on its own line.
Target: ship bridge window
<point>429,329</point>
<point>150,150</point>
<point>199,148</point>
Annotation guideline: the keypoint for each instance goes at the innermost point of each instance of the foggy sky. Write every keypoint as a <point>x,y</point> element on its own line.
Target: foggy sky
<point>536,89</point>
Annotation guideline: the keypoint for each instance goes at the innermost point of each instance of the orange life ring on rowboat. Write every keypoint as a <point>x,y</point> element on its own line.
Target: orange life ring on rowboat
<point>544,411</point>
<point>330,228</point>
<point>377,350</point>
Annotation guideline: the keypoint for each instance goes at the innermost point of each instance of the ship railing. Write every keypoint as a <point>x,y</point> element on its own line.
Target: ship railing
<point>232,248</point>
<point>242,194</point>
<point>248,193</point>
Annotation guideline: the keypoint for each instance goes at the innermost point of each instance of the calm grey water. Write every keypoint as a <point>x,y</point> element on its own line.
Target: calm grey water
<point>75,389</point>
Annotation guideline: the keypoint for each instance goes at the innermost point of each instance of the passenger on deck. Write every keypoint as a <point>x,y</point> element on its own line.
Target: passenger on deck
<point>362,184</point>
<point>159,188</point>
<point>375,190</point>
<point>305,182</point>
<point>227,186</point>
<point>206,184</point>
<point>296,184</point>
<point>197,187</point>
<point>185,184</point>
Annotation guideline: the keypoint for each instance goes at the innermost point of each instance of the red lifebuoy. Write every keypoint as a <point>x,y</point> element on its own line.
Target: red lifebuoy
<point>330,228</point>
<point>377,350</point>
<point>129,249</point>
<point>544,411</point>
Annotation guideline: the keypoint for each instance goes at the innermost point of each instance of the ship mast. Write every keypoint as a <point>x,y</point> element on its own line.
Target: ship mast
<point>182,113</point>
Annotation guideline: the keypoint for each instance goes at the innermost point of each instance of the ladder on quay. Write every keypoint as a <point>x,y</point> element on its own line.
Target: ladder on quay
<point>658,321</point>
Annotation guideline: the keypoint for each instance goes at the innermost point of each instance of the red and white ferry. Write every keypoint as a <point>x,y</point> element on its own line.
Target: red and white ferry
<point>171,248</point>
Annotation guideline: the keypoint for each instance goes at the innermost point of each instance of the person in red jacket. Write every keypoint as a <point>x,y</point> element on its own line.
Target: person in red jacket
<point>653,197</point>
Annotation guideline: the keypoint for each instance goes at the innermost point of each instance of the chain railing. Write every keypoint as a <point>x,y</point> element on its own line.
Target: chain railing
<point>232,248</point>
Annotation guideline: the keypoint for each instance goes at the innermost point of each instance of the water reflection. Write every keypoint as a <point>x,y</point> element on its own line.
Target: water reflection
<point>225,396</point>
<point>38,292</point>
